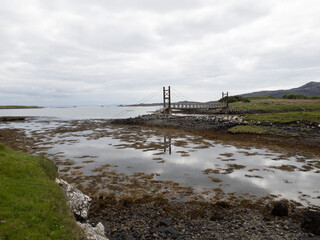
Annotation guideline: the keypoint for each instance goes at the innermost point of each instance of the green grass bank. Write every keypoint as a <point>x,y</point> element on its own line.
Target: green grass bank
<point>32,205</point>
<point>277,105</point>
<point>285,118</point>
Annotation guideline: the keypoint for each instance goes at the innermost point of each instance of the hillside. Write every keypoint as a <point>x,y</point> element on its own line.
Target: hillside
<point>310,89</point>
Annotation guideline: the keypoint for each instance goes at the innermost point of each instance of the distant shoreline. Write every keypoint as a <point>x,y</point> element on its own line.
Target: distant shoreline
<point>18,107</point>
<point>141,105</point>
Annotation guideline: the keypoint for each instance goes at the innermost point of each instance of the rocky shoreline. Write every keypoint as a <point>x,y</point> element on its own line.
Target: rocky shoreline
<point>158,218</point>
<point>304,134</point>
<point>176,220</point>
<point>213,122</point>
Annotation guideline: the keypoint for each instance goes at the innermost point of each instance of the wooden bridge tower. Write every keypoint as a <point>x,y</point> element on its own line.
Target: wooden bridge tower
<point>167,101</point>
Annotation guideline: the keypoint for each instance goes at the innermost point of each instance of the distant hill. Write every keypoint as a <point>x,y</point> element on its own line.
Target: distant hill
<point>310,89</point>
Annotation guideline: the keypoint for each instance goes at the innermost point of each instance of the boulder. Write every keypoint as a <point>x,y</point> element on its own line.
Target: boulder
<point>78,202</point>
<point>280,209</point>
<point>93,233</point>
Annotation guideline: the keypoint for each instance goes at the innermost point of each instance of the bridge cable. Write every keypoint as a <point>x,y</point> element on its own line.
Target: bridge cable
<point>182,95</point>
<point>144,99</point>
<point>178,96</point>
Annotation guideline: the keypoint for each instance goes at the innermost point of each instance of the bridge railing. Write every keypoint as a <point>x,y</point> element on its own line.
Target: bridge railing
<point>198,105</point>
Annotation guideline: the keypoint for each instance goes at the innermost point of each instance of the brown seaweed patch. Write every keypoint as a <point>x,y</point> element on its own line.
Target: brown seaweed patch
<point>66,169</point>
<point>201,147</point>
<point>317,165</point>
<point>213,179</point>
<point>306,168</point>
<point>228,160</point>
<point>180,143</point>
<point>102,167</point>
<point>67,162</point>
<point>185,155</point>
<point>300,159</point>
<point>248,153</point>
<point>78,167</point>
<point>252,176</point>
<point>121,146</point>
<point>159,153</point>
<point>288,168</point>
<point>268,170</point>
<point>236,166</point>
<point>87,156</point>
<point>88,161</point>
<point>76,173</point>
<point>209,170</point>
<point>181,152</point>
<point>229,155</point>
<point>253,169</point>
<point>286,181</point>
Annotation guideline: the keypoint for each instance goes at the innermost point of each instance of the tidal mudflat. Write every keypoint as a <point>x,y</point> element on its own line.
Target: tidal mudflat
<point>159,183</point>
<point>174,163</point>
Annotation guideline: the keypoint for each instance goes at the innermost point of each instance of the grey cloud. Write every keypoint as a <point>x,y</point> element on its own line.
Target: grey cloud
<point>211,20</point>
<point>140,5</point>
<point>115,51</point>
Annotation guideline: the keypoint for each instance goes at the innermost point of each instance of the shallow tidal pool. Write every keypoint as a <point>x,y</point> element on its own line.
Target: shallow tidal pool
<point>138,160</point>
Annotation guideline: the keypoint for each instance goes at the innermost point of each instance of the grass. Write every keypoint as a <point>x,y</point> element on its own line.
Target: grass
<point>248,129</point>
<point>17,107</point>
<point>287,117</point>
<point>32,205</point>
<point>277,105</point>
<point>262,97</point>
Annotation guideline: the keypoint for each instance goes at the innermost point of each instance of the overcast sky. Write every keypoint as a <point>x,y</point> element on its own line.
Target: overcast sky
<point>83,52</point>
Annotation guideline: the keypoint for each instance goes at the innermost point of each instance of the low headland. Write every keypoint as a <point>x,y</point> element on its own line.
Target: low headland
<point>18,107</point>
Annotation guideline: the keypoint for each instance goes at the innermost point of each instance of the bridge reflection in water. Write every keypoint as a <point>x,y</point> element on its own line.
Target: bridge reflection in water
<point>167,144</point>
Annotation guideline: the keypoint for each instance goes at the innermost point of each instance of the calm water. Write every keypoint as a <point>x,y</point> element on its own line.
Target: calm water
<point>80,112</point>
<point>173,155</point>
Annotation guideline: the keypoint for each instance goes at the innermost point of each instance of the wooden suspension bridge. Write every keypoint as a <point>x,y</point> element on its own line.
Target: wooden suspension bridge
<point>168,106</point>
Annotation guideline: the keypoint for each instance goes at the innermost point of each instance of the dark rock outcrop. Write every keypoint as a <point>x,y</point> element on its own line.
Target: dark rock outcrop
<point>280,209</point>
<point>311,222</point>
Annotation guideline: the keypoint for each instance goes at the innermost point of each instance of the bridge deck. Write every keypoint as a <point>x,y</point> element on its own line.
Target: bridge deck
<point>198,105</point>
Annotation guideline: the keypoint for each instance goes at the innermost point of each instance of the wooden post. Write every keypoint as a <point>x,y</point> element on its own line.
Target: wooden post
<point>169,98</point>
<point>225,98</point>
<point>166,100</point>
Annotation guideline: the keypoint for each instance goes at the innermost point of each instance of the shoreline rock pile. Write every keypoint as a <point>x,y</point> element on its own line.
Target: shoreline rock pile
<point>79,204</point>
<point>195,122</point>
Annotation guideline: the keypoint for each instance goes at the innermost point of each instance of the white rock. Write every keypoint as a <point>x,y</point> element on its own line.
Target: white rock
<point>93,233</point>
<point>78,202</point>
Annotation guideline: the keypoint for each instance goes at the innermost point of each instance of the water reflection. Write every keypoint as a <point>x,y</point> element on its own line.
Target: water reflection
<point>167,144</point>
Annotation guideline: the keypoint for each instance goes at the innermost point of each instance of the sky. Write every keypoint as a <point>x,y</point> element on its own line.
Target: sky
<point>98,52</point>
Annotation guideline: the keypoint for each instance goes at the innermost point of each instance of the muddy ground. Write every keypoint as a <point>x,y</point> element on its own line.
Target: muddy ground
<point>150,209</point>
